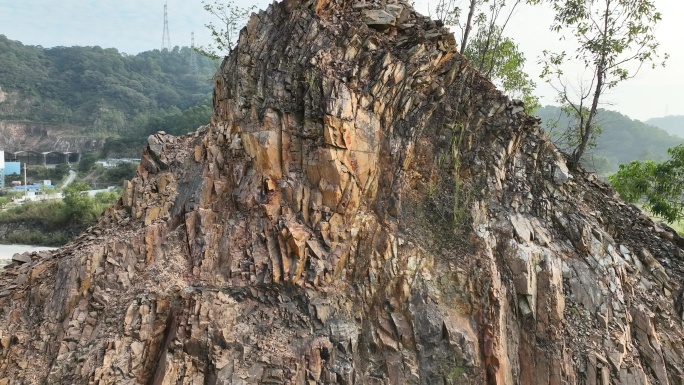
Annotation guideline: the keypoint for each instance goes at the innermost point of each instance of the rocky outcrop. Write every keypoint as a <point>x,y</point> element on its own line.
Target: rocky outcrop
<point>365,208</point>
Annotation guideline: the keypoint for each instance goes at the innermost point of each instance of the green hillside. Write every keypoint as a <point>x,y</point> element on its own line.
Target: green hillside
<point>622,139</point>
<point>107,92</point>
<point>674,124</point>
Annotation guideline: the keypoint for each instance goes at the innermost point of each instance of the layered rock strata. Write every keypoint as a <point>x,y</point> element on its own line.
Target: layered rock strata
<point>364,208</point>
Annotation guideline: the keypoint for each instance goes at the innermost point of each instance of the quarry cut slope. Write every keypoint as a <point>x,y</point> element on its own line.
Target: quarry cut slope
<point>364,208</point>
<point>45,137</point>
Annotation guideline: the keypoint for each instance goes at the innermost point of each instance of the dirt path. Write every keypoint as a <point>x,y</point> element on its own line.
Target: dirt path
<point>69,179</point>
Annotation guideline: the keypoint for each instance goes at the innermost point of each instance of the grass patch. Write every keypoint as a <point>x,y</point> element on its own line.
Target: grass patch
<point>47,213</point>
<point>36,237</point>
<point>456,373</point>
<point>55,222</point>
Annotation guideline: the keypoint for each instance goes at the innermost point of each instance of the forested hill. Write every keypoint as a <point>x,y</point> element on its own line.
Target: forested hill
<point>103,90</point>
<point>622,139</point>
<point>674,124</point>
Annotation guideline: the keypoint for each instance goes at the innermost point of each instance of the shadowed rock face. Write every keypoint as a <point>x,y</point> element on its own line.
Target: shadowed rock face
<point>364,209</point>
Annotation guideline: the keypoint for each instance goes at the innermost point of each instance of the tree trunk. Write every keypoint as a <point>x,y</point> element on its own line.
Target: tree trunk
<point>587,131</point>
<point>469,25</point>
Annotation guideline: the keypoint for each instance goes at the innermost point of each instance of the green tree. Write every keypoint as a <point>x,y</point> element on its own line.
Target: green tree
<point>78,206</point>
<point>104,199</point>
<point>615,39</point>
<point>60,171</point>
<point>503,63</point>
<point>97,89</point>
<point>122,171</point>
<point>483,42</point>
<point>87,162</point>
<point>231,19</point>
<point>621,139</point>
<point>172,120</point>
<point>660,186</point>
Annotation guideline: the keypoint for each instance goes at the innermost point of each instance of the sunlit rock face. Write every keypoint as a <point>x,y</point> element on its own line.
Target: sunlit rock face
<point>364,208</point>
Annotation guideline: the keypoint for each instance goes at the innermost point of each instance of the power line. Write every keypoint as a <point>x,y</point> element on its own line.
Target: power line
<point>166,38</point>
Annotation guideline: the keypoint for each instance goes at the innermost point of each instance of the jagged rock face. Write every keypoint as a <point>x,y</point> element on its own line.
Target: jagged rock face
<point>364,209</point>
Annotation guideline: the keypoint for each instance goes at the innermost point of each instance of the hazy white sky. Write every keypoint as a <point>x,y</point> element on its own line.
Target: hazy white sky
<point>652,93</point>
<point>137,25</point>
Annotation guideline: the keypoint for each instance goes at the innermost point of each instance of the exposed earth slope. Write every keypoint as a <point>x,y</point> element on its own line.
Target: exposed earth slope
<point>46,137</point>
<point>364,209</point>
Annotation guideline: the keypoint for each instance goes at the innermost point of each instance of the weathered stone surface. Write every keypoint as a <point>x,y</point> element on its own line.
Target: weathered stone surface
<point>561,173</point>
<point>378,17</point>
<point>21,258</point>
<point>364,208</point>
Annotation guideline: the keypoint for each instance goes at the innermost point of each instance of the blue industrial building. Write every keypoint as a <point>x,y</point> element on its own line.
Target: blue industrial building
<point>12,168</point>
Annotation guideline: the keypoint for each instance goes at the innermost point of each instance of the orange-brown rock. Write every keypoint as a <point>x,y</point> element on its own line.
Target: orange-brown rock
<point>364,208</point>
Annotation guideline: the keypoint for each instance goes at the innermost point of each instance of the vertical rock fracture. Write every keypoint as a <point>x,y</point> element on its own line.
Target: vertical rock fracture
<point>364,208</point>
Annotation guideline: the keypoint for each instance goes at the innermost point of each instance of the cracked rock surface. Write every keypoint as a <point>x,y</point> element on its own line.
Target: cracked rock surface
<point>364,208</point>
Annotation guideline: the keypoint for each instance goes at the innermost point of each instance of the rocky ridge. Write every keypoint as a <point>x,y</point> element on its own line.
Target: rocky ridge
<point>364,208</point>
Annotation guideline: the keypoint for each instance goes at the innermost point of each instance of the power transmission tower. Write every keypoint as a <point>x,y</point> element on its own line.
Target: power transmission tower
<point>166,39</point>
<point>193,58</point>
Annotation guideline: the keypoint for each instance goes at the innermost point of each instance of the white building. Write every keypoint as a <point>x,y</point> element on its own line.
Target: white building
<point>2,168</point>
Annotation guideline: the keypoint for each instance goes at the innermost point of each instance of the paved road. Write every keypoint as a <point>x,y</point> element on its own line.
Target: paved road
<point>69,179</point>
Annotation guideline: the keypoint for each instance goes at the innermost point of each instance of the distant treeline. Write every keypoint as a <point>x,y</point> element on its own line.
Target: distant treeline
<point>105,92</point>
<point>621,141</point>
<point>674,124</point>
<point>102,89</point>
